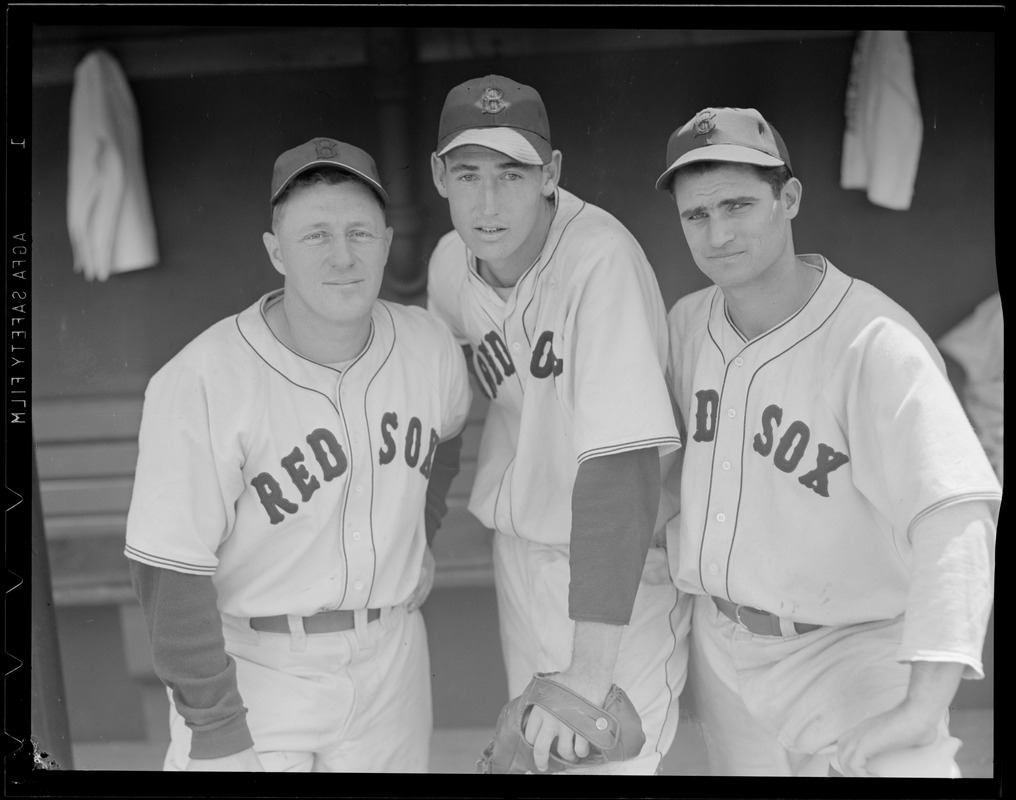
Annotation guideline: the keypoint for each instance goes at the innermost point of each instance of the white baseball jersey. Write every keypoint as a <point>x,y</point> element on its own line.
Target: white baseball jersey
<point>572,361</point>
<point>978,344</point>
<point>298,486</point>
<point>812,451</point>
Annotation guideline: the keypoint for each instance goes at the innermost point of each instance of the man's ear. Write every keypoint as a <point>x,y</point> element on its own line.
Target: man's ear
<point>551,174</point>
<point>437,169</point>
<point>791,197</point>
<point>274,252</point>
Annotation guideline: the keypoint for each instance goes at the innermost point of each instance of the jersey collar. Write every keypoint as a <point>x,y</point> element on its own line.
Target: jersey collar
<point>302,371</point>
<point>807,319</point>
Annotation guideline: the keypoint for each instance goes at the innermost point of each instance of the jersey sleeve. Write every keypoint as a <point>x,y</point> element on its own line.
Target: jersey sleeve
<point>615,352</point>
<point>454,379</point>
<point>189,656</point>
<point>189,469</point>
<point>912,447</point>
<point>952,587</point>
<point>614,509</point>
<point>445,274</point>
<point>442,472</point>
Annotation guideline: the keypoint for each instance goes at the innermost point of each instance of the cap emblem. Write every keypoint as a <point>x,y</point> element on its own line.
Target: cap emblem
<point>492,101</point>
<point>704,123</point>
<point>326,148</point>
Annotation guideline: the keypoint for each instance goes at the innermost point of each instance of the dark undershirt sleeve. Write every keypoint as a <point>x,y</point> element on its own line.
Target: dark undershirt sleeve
<point>189,654</point>
<point>614,507</point>
<point>442,472</point>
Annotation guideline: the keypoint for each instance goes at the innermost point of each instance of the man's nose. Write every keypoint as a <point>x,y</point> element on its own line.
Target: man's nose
<point>340,254</point>
<point>489,200</point>
<point>720,232</point>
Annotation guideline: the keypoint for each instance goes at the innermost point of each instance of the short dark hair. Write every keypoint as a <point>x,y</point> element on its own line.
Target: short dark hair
<point>331,176</point>
<point>776,177</point>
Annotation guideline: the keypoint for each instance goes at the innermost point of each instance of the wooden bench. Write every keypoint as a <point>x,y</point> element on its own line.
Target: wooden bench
<point>87,450</point>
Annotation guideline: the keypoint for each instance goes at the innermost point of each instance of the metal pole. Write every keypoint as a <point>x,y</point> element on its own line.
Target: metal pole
<point>391,55</point>
<point>50,725</point>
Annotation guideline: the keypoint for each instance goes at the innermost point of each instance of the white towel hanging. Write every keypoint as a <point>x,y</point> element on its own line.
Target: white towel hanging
<point>882,142</point>
<point>109,214</point>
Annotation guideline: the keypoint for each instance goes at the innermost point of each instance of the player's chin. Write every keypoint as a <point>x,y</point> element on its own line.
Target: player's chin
<point>724,273</point>
<point>487,250</point>
<point>348,307</point>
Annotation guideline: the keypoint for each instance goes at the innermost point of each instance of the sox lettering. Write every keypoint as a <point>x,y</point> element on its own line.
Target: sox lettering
<point>789,450</point>
<point>331,458</point>
<point>705,415</point>
<point>490,363</point>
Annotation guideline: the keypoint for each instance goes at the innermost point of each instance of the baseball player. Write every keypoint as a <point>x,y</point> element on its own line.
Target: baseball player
<point>838,515</point>
<point>292,468</point>
<point>564,329</point>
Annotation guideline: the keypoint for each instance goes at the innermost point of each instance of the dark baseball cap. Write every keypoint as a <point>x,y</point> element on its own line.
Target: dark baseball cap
<point>498,113</point>
<point>736,135</point>
<point>324,152</point>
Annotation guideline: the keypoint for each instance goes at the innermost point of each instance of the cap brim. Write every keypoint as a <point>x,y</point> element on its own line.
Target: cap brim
<point>732,153</point>
<point>524,147</point>
<point>326,162</point>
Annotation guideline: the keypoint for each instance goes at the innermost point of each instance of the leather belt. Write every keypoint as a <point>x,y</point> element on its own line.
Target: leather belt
<point>757,621</point>
<point>323,622</point>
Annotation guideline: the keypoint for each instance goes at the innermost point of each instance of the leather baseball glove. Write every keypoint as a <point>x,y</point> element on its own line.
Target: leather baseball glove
<point>614,732</point>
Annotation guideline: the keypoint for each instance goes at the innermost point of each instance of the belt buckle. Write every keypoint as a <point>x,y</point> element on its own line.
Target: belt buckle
<point>741,622</point>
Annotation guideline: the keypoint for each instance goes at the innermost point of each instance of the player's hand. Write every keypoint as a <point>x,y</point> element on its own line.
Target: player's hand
<point>898,729</point>
<point>244,761</point>
<point>544,730</point>
<point>913,723</point>
<point>426,582</point>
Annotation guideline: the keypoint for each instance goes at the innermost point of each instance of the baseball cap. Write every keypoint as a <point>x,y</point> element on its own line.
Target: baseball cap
<point>324,152</point>
<point>737,135</point>
<point>498,113</point>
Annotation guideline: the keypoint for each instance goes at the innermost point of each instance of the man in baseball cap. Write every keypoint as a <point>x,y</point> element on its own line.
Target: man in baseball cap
<point>838,515</point>
<point>279,560</point>
<point>498,113</point>
<point>733,135</point>
<point>563,325</point>
<point>321,153</point>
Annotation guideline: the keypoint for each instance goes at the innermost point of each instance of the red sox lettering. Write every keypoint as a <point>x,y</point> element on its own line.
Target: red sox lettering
<point>329,455</point>
<point>705,415</point>
<point>545,363</point>
<point>490,362</point>
<point>414,437</point>
<point>789,449</point>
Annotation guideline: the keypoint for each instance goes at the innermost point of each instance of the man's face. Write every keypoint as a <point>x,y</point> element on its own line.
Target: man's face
<point>736,229</point>
<point>332,244</point>
<point>496,204</point>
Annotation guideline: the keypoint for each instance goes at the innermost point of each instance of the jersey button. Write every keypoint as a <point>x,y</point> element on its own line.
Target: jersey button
<point>739,361</point>
<point>516,346</point>
<point>359,488</point>
<point>731,413</point>
<point>726,466</point>
<point>721,517</point>
<point>356,536</point>
<point>714,570</point>
<point>358,585</point>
